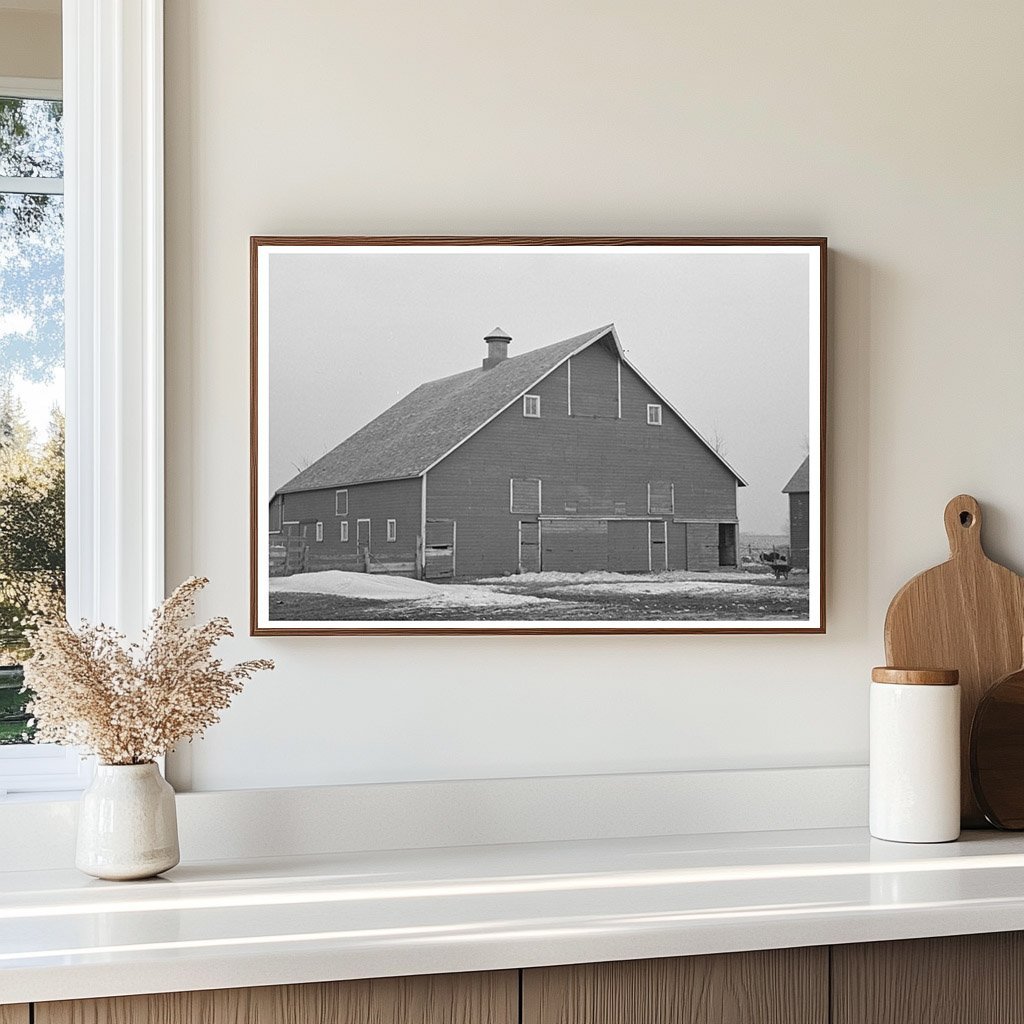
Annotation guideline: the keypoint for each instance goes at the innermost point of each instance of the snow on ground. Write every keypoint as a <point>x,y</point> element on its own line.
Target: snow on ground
<point>379,587</point>
<point>660,587</point>
<point>598,576</point>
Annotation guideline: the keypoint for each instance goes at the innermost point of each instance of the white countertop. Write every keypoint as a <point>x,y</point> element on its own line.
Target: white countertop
<point>225,924</point>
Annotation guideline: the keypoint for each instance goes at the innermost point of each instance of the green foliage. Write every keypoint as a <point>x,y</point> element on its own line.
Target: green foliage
<point>14,719</point>
<point>31,523</point>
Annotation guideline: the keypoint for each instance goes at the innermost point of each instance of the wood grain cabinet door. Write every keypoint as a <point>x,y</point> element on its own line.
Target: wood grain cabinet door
<point>781,986</point>
<point>14,1014</point>
<point>963,979</point>
<point>491,998</point>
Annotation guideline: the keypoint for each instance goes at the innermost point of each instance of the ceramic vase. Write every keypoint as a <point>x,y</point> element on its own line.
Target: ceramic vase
<point>127,825</point>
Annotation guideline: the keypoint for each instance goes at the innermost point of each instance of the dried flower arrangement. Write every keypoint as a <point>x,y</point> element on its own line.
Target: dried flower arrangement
<point>130,703</point>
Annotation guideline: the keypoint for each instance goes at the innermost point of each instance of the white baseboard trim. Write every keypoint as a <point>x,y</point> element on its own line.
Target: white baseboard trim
<point>256,823</point>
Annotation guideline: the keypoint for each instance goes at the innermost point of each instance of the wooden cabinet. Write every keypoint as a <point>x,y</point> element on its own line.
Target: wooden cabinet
<point>491,998</point>
<point>963,979</point>
<point>972,979</point>
<point>779,986</point>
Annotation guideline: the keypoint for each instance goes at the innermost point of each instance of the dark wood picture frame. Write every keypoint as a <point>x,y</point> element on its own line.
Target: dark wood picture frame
<point>816,623</point>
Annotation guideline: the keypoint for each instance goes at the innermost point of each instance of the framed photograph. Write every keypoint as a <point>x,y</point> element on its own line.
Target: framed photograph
<point>537,435</point>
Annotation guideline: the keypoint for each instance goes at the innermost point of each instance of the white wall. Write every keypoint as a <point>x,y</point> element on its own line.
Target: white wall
<point>894,129</point>
<point>29,42</point>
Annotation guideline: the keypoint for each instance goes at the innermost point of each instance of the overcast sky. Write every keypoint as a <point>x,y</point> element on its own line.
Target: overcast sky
<point>723,337</point>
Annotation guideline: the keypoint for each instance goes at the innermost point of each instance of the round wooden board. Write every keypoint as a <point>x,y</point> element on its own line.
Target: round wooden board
<point>997,752</point>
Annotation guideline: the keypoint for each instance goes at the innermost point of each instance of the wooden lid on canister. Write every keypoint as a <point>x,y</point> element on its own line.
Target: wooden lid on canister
<point>916,676</point>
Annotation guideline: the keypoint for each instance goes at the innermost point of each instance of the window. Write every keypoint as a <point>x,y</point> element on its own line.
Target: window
<point>654,415</point>
<point>115,439</point>
<point>392,530</point>
<point>661,498</point>
<point>531,406</point>
<point>31,383</point>
<point>524,496</point>
<point>344,532</point>
<point>319,533</point>
<point>341,503</point>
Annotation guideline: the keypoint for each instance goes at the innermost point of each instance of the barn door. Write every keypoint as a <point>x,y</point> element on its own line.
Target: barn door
<point>629,548</point>
<point>726,543</point>
<point>363,543</point>
<point>291,550</point>
<point>439,550</point>
<point>658,547</point>
<point>529,546</point>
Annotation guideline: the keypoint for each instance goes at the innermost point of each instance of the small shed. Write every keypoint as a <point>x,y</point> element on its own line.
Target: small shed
<point>799,490</point>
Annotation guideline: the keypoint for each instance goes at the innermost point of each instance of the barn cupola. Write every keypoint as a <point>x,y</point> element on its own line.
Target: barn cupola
<point>497,347</point>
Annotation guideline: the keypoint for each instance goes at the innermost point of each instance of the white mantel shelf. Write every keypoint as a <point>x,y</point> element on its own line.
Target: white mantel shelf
<point>225,924</point>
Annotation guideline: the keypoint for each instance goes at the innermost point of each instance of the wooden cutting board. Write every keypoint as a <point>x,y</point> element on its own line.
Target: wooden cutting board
<point>967,614</point>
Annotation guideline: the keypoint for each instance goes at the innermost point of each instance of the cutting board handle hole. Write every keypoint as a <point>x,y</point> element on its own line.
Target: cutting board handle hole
<point>966,519</point>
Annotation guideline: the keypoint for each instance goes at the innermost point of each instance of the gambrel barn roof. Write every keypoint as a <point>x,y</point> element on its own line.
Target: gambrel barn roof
<point>428,424</point>
<point>800,481</point>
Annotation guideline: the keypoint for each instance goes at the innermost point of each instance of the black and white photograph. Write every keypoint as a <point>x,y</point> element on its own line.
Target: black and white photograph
<point>537,435</point>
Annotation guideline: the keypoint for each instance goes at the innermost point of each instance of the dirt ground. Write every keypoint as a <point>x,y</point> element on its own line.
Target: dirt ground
<point>640,598</point>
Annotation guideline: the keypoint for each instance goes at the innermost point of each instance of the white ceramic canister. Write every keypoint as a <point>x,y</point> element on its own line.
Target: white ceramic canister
<point>915,755</point>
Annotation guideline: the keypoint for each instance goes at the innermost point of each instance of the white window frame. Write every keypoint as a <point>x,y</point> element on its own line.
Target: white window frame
<point>319,532</point>
<point>337,494</point>
<point>653,409</point>
<point>112,89</point>
<point>392,534</point>
<point>344,531</point>
<point>527,400</point>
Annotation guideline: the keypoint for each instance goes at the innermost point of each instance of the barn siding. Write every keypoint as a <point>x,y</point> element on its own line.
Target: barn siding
<point>275,514</point>
<point>589,465</point>
<point>799,529</point>
<point>704,488</point>
<point>701,546</point>
<point>566,545</point>
<point>595,386</point>
<point>378,502</point>
<point>677,545</point>
<point>628,546</point>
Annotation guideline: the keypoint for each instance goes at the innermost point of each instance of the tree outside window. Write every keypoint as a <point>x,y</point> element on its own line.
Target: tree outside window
<point>31,386</point>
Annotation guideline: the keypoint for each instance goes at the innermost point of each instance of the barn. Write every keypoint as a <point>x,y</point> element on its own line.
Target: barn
<point>798,490</point>
<point>562,458</point>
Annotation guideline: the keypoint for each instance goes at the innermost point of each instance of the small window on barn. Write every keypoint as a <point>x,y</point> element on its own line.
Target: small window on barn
<point>319,533</point>
<point>344,532</point>
<point>392,529</point>
<point>524,496</point>
<point>661,498</point>
<point>654,415</point>
<point>531,406</point>
<point>341,503</point>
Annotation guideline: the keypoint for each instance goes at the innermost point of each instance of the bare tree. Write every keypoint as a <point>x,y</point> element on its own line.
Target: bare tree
<point>718,443</point>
